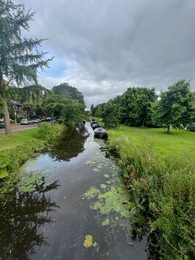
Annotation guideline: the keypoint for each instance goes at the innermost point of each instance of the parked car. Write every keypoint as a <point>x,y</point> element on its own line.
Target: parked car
<point>37,120</point>
<point>24,121</point>
<point>2,125</point>
<point>31,121</point>
<point>191,127</point>
<point>100,132</point>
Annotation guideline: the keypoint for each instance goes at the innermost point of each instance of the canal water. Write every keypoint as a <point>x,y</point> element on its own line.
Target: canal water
<point>70,204</point>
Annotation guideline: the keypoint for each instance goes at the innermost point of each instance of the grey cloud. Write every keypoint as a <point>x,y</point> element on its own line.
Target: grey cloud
<point>146,42</point>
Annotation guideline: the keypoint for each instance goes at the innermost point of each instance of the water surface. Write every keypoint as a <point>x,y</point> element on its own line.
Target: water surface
<point>69,204</point>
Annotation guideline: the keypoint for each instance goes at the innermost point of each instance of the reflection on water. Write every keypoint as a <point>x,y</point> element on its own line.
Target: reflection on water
<point>21,215</point>
<point>69,145</point>
<point>70,205</point>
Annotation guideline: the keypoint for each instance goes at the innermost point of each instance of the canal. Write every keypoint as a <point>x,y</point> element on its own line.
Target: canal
<point>70,203</point>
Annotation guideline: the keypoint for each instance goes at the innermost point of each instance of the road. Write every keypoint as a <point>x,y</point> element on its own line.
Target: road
<point>19,127</point>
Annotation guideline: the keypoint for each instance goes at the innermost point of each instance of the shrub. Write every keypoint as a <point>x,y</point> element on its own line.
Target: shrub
<point>48,132</point>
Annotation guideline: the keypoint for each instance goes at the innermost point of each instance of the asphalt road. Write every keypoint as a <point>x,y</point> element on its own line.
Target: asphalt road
<point>19,127</point>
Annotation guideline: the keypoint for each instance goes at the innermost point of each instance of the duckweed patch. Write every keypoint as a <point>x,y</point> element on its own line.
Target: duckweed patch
<point>108,201</point>
<point>90,162</point>
<point>91,193</point>
<point>95,169</point>
<point>112,201</point>
<point>103,186</point>
<point>106,176</point>
<point>88,241</point>
<point>106,222</point>
<point>30,182</point>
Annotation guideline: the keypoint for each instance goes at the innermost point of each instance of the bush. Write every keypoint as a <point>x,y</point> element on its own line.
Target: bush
<point>48,132</point>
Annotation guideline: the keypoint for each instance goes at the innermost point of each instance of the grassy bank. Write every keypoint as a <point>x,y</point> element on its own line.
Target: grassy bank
<point>15,150</point>
<point>158,171</point>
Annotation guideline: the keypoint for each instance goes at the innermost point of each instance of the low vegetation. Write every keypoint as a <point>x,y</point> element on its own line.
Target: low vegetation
<point>158,170</point>
<point>15,150</point>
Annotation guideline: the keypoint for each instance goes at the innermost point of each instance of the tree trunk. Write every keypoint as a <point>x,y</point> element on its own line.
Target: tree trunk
<point>8,131</point>
<point>3,92</point>
<point>168,128</point>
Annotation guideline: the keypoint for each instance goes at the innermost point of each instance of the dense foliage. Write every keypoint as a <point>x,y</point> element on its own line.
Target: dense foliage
<point>37,101</point>
<point>31,99</point>
<point>176,105</point>
<point>63,109</point>
<point>142,107</point>
<point>69,92</point>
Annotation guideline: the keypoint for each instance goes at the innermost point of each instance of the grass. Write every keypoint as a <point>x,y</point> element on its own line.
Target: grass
<point>18,138</point>
<point>159,173</point>
<point>177,143</point>
<point>15,150</point>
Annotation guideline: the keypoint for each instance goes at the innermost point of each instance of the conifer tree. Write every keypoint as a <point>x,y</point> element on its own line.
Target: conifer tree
<point>20,58</point>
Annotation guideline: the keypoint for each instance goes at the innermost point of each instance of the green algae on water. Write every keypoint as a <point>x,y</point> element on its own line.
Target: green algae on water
<point>103,186</point>
<point>30,182</point>
<point>90,162</point>
<point>95,169</point>
<point>91,193</point>
<point>106,222</point>
<point>88,241</point>
<point>112,201</point>
<point>100,166</point>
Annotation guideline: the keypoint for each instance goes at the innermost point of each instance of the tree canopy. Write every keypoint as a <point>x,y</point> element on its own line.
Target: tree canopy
<point>69,92</point>
<point>133,107</point>
<point>142,107</point>
<point>63,109</point>
<point>176,105</point>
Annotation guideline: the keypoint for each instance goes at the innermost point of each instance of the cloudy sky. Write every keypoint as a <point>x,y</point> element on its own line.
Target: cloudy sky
<point>102,47</point>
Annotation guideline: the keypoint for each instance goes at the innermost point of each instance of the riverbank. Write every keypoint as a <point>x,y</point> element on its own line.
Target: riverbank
<point>158,170</point>
<point>15,150</point>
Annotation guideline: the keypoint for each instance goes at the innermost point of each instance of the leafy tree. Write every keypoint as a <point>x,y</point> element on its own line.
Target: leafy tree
<point>110,113</point>
<point>176,106</point>
<point>69,92</point>
<point>18,61</point>
<point>135,106</point>
<point>31,98</point>
<point>63,109</point>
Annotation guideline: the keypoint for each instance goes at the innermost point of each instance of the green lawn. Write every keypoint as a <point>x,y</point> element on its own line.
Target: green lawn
<point>177,142</point>
<point>158,169</point>
<point>18,138</point>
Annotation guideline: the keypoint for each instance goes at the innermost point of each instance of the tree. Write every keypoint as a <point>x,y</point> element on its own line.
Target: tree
<point>63,109</point>
<point>69,92</point>
<point>176,106</point>
<point>19,57</point>
<point>110,113</point>
<point>31,97</point>
<point>135,106</point>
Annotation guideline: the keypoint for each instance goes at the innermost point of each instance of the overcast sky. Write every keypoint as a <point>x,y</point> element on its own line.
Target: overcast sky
<point>102,47</point>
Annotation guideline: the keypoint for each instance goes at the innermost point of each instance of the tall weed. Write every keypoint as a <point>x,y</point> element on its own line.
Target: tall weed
<point>163,190</point>
<point>48,132</point>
